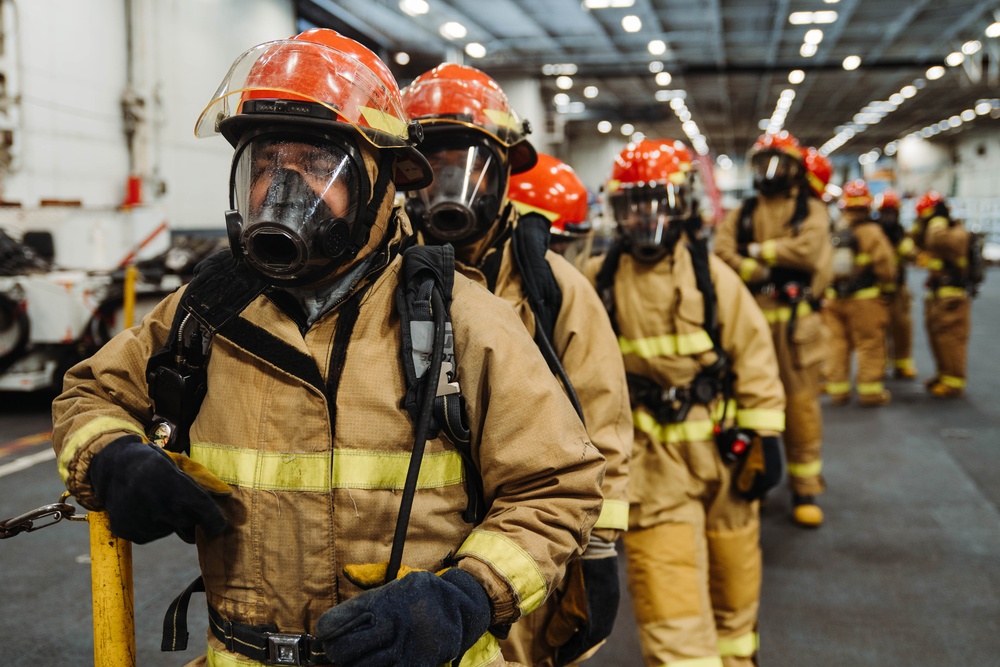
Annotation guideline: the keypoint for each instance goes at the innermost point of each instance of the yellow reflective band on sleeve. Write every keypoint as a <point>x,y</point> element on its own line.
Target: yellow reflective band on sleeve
<point>86,433</point>
<point>784,313</point>
<point>380,120</point>
<point>747,267</point>
<point>311,471</point>
<point>483,652</point>
<point>862,259</point>
<point>690,431</point>
<point>511,562</point>
<point>804,470</point>
<point>905,246</point>
<point>695,662</point>
<point>769,252</point>
<point>869,388</point>
<point>761,420</point>
<point>935,264</point>
<point>906,364</point>
<point>837,388</point>
<point>667,345</point>
<point>524,209</point>
<point>952,381</point>
<point>867,293</point>
<point>949,292</point>
<point>614,515</point>
<point>216,658</point>
<point>937,223</point>
<point>962,262</point>
<point>741,647</point>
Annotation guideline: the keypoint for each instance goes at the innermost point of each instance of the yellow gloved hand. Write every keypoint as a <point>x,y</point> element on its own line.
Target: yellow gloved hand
<point>205,478</point>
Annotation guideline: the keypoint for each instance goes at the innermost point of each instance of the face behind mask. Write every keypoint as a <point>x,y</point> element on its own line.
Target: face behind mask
<point>651,218</point>
<point>774,172</point>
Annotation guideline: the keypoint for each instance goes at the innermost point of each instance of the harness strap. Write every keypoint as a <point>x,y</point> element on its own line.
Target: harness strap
<point>175,633</point>
<point>338,355</point>
<point>265,644</point>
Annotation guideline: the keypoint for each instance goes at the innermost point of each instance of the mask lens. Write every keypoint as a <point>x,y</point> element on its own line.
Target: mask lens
<point>644,215</point>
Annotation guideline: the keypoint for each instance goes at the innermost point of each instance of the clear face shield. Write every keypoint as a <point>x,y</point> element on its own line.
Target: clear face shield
<point>774,172</point>
<point>298,200</point>
<point>463,202</point>
<point>652,218</point>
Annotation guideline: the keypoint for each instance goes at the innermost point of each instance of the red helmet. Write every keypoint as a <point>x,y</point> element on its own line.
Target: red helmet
<point>887,199</point>
<point>323,80</point>
<point>552,189</point>
<point>778,162</point>
<point>819,171</point>
<point>928,203</point>
<point>457,95</point>
<point>856,195</point>
<point>649,162</point>
<point>781,142</point>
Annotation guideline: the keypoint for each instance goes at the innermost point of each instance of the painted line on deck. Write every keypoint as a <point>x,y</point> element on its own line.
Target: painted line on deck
<point>26,462</point>
<point>27,441</point>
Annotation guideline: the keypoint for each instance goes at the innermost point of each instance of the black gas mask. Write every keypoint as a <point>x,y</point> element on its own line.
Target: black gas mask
<point>775,172</point>
<point>652,218</point>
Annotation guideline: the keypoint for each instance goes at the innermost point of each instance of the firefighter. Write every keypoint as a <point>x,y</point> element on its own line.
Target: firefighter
<point>897,294</point>
<point>553,190</point>
<point>707,408</point>
<point>475,141</point>
<point>856,315</point>
<point>944,243</point>
<point>300,438</point>
<point>779,243</point>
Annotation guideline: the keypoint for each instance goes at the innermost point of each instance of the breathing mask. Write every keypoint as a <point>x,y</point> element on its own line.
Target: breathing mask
<point>652,217</point>
<point>774,172</point>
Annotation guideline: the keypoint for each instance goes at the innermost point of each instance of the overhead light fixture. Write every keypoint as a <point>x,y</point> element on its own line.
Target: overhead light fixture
<point>475,50</point>
<point>851,62</point>
<point>414,7</point>
<point>564,82</point>
<point>954,59</point>
<point>897,99</point>
<point>568,69</point>
<point>825,16</point>
<point>796,76</point>
<point>627,129</point>
<point>972,46</point>
<point>657,47</point>
<point>983,107</point>
<point>604,126</point>
<point>631,23</point>
<point>453,30</point>
<point>637,137</point>
<point>590,92</point>
<point>908,91</point>
<point>655,66</point>
<point>663,79</point>
<point>934,73</point>
<point>814,36</point>
<point>808,50</point>
<point>402,58</point>
<point>805,18</point>
<point>967,115</point>
<point>560,99</point>
<point>993,29</point>
<point>607,4</point>
<point>678,102</point>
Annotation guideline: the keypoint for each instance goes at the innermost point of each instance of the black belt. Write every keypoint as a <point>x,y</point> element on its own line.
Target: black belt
<point>264,643</point>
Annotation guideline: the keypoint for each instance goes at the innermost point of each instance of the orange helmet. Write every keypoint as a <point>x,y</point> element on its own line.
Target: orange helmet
<point>856,195</point>
<point>318,80</point>
<point>552,189</point>
<point>778,163</point>
<point>456,95</point>
<point>929,203</point>
<point>887,199</point>
<point>649,189</point>
<point>819,171</point>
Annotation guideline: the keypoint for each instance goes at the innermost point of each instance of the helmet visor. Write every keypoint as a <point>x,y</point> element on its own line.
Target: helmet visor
<point>328,83</point>
<point>468,103</point>
<point>644,213</point>
<point>776,168</point>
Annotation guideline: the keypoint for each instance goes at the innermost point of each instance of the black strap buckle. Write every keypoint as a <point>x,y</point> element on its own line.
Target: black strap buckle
<point>283,649</point>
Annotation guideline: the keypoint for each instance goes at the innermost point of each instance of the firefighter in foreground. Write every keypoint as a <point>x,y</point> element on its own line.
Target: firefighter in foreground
<point>474,141</point>
<point>947,307</point>
<point>708,410</point>
<point>864,263</point>
<point>897,294</point>
<point>553,190</point>
<point>300,441</point>
<point>779,243</point>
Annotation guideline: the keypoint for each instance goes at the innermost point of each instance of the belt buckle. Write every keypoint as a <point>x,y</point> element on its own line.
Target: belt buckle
<point>283,649</point>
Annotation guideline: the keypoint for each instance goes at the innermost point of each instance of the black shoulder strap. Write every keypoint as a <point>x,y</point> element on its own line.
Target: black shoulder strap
<point>703,278</point>
<point>744,229</point>
<point>801,210</point>
<point>605,279</point>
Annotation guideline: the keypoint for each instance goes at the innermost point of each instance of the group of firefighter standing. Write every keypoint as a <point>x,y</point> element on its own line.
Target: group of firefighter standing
<point>362,360</point>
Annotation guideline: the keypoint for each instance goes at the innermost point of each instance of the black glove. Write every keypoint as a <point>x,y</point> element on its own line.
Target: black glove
<point>761,469</point>
<point>421,619</point>
<point>587,608</point>
<point>147,496</point>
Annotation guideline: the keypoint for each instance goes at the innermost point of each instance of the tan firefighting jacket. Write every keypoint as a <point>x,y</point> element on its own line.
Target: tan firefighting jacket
<point>585,343</point>
<point>660,314</point>
<point>874,254</point>
<point>309,499</point>
<point>947,247</point>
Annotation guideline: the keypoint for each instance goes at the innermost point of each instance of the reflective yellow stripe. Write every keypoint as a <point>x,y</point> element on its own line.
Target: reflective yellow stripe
<point>524,209</point>
<point>862,259</point>
<point>667,345</point>
<point>867,293</point>
<point>804,469</point>
<point>937,223</point>
<point>761,420</point>
<point>769,252</point>
<point>784,313</point>
<point>512,562</point>
<point>311,471</point>
<point>747,268</point>
<point>483,652</point>
<point>698,430</point>
<point>695,662</point>
<point>905,246</point>
<point>906,364</point>
<point>80,437</point>
<point>614,515</point>
<point>869,388</point>
<point>830,293</point>
<point>837,388</point>
<point>220,659</point>
<point>742,647</point>
<point>952,381</point>
<point>380,120</point>
<point>962,262</point>
<point>948,292</point>
<point>935,264</point>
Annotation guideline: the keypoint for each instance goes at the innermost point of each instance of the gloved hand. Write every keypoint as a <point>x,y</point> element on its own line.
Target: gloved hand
<point>421,619</point>
<point>148,496</point>
<point>588,607</point>
<point>761,469</point>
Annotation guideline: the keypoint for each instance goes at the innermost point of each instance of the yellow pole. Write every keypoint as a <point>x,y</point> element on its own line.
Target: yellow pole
<point>111,565</point>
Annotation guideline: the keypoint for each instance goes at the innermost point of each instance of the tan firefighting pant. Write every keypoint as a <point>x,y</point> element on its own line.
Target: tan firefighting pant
<point>900,338</point>
<point>857,324</point>
<point>800,357</point>
<point>947,315</point>
<point>692,557</point>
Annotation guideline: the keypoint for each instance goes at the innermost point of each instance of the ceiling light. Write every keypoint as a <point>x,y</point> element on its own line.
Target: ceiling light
<point>993,29</point>
<point>402,58</point>
<point>568,69</point>
<point>604,126</point>
<point>800,18</point>
<point>763,123</point>
<point>908,91</point>
<point>453,30</point>
<point>851,62</point>
<point>684,114</point>
<point>657,47</point>
<point>954,58</point>
<point>631,23</point>
<point>663,95</point>
<point>564,82</point>
<point>808,50</point>
<point>968,115</point>
<point>605,4</point>
<point>414,7</point>
<point>475,50</point>
<point>637,137</point>
<point>677,103</point>
<point>655,66</point>
<point>955,121</point>
<point>627,129</point>
<point>663,79</point>
<point>972,46</point>
<point>826,16</point>
<point>796,76</point>
<point>935,72</point>
<point>590,92</point>
<point>983,107</point>
<point>897,99</point>
<point>814,36</point>
<point>560,99</point>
